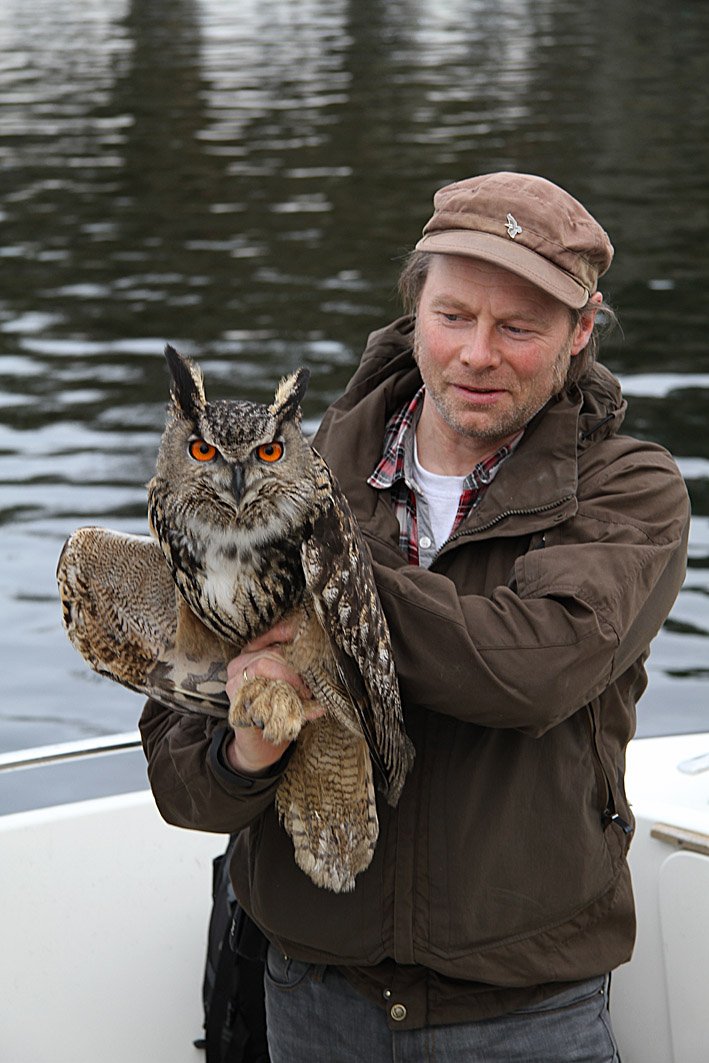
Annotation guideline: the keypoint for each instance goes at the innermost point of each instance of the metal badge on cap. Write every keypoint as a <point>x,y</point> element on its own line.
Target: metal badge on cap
<point>513,229</point>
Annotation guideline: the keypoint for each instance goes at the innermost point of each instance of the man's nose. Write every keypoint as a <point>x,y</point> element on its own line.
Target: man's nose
<point>479,351</point>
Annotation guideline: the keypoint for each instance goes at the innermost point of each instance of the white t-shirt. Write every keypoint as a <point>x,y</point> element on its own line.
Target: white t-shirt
<point>442,494</point>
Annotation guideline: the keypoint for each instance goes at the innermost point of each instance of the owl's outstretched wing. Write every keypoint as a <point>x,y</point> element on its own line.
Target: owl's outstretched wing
<point>338,574</point>
<point>122,612</point>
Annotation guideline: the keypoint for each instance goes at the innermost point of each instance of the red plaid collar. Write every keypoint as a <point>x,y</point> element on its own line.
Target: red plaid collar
<point>391,467</point>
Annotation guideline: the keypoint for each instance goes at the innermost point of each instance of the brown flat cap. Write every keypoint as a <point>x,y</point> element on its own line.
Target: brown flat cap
<point>525,224</point>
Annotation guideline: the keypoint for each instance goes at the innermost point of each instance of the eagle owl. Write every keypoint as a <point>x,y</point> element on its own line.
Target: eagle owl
<point>251,526</point>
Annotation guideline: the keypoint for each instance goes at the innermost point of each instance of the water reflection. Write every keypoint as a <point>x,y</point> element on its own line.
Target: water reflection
<point>243,179</point>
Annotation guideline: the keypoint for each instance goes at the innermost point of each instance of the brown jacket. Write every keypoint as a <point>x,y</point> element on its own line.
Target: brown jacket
<point>520,655</point>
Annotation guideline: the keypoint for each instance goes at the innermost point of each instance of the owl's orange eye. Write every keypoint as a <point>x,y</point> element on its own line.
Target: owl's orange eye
<point>270,451</point>
<point>200,450</point>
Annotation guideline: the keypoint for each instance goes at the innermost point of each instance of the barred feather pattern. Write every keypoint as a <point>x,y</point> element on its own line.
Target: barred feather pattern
<point>346,602</point>
<point>327,804</point>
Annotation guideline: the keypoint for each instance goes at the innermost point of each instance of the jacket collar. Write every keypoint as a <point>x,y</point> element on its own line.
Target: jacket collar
<point>536,487</point>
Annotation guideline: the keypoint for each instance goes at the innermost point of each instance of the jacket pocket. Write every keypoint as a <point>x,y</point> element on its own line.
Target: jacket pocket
<point>610,806</point>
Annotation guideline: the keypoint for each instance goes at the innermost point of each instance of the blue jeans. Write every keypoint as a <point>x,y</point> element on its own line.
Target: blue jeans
<point>315,1016</point>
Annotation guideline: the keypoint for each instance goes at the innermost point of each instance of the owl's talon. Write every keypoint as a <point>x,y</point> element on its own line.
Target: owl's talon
<point>271,705</point>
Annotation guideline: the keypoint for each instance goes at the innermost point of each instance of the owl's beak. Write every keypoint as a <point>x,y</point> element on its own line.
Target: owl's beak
<point>237,481</point>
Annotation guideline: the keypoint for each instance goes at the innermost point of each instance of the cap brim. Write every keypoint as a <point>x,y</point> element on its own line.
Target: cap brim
<point>510,255</point>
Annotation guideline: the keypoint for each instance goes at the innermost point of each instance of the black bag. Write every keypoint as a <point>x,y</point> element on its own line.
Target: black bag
<point>232,990</point>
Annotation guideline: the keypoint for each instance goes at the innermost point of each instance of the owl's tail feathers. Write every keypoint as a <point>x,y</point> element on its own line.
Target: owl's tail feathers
<point>123,614</point>
<point>326,803</point>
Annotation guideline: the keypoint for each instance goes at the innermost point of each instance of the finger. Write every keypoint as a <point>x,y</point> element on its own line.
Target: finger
<point>271,666</point>
<point>268,665</point>
<point>235,666</point>
<point>247,661</point>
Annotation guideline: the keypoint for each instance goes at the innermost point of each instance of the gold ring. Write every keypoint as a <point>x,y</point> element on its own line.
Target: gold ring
<point>245,677</point>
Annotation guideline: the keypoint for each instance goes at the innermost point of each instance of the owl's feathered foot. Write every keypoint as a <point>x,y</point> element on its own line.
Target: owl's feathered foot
<point>270,704</point>
<point>326,803</point>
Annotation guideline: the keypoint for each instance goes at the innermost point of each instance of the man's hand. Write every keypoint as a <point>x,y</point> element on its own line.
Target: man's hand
<point>249,752</point>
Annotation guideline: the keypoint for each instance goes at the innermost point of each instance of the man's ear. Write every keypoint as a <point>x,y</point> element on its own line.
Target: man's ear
<point>582,331</point>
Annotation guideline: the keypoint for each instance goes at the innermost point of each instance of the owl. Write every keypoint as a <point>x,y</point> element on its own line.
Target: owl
<point>249,526</point>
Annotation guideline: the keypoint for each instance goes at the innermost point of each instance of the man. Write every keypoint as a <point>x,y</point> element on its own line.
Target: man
<point>526,554</point>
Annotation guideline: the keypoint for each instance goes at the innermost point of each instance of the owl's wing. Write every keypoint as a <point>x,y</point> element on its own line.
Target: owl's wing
<point>122,612</point>
<point>338,574</point>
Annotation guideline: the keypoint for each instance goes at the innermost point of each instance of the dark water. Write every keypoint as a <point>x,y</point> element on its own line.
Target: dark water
<point>242,179</point>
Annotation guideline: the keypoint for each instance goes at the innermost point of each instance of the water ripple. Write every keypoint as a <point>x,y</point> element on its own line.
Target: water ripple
<point>243,181</point>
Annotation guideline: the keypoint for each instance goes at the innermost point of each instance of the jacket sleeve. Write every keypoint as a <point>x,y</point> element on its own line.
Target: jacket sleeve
<point>191,783</point>
<point>574,616</point>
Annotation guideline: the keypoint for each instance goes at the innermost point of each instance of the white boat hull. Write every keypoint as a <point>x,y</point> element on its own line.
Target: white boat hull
<point>103,927</point>
<point>659,1000</point>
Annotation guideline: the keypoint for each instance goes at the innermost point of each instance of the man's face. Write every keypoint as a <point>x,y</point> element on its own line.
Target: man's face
<point>492,349</point>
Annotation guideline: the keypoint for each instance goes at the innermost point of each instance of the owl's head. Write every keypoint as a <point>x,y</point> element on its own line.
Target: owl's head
<point>237,461</point>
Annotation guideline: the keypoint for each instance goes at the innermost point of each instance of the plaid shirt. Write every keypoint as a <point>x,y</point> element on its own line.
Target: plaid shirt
<point>392,473</point>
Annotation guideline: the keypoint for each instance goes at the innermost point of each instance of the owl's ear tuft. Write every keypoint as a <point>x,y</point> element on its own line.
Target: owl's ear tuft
<point>289,394</point>
<point>187,389</point>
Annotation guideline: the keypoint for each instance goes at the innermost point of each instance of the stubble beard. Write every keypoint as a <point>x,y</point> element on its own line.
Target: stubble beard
<point>498,426</point>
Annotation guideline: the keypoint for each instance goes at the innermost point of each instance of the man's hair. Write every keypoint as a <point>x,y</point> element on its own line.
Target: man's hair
<point>413,277</point>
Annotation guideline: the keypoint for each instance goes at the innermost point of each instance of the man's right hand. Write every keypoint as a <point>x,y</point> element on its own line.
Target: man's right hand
<point>249,752</point>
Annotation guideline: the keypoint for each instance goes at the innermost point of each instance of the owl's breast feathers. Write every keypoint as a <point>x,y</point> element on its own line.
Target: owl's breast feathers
<point>237,589</point>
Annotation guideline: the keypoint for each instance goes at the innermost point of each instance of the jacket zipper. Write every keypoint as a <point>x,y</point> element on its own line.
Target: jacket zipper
<point>502,516</point>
